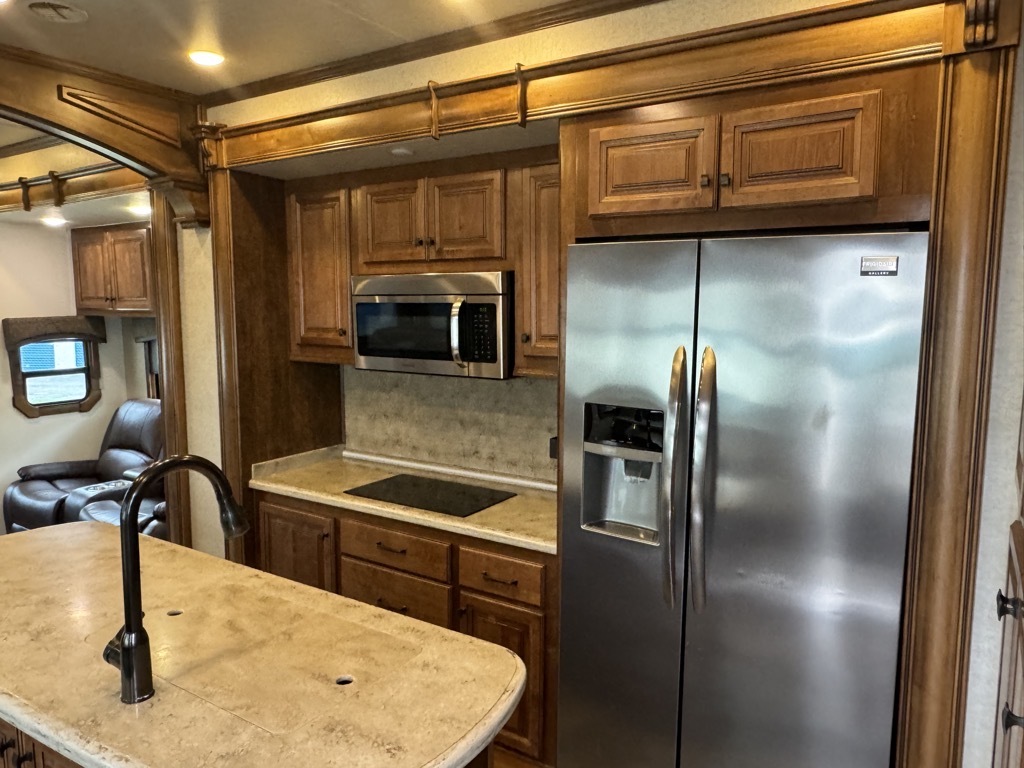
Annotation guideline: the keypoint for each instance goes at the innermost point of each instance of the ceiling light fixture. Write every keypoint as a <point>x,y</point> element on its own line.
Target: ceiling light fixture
<point>53,220</point>
<point>206,58</point>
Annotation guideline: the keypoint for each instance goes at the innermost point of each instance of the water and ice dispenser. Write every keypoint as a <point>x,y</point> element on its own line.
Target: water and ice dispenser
<point>622,466</point>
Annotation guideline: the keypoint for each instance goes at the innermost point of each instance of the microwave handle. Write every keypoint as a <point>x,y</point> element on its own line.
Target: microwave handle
<point>453,332</point>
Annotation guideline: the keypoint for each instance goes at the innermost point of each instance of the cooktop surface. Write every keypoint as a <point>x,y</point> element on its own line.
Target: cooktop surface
<point>444,496</point>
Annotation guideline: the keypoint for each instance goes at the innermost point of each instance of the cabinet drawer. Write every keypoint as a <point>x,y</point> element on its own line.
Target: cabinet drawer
<point>398,592</point>
<point>505,576</point>
<point>403,551</point>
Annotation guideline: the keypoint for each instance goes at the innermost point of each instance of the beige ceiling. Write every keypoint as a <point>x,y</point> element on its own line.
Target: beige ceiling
<point>149,39</point>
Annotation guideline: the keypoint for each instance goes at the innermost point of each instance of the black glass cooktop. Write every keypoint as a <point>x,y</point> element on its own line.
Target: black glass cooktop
<point>444,496</point>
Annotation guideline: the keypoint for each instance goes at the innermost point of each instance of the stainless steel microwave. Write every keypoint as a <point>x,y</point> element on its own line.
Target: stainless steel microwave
<point>452,324</point>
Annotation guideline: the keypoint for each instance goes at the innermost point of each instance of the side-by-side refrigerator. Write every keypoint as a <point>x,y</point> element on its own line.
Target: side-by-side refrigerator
<point>738,428</point>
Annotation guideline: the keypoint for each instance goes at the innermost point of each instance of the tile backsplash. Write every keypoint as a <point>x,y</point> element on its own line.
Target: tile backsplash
<point>479,424</point>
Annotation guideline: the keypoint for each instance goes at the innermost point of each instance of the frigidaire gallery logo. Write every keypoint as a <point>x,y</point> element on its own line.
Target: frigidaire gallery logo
<point>879,266</point>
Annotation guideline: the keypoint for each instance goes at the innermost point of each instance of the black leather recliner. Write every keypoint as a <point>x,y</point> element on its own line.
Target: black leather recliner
<point>134,439</point>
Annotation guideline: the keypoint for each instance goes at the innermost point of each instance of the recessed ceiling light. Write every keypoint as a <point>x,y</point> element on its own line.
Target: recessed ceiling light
<point>141,209</point>
<point>53,220</point>
<point>206,58</point>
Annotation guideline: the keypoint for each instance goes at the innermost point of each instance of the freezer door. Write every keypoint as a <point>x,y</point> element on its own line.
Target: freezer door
<point>629,332</point>
<point>804,441</point>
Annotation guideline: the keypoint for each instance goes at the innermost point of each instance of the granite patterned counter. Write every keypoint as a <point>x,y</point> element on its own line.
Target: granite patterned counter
<point>246,665</point>
<point>529,520</point>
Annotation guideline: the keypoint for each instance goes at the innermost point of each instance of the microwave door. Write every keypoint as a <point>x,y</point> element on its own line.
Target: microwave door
<point>405,327</point>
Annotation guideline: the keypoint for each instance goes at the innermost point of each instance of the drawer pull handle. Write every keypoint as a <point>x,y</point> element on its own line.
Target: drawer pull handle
<point>20,760</point>
<point>496,580</point>
<point>392,550</point>
<point>1011,720</point>
<point>5,745</point>
<point>382,603</point>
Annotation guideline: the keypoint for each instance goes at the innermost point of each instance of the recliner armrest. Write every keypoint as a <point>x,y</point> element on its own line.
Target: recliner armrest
<point>79,497</point>
<point>57,470</point>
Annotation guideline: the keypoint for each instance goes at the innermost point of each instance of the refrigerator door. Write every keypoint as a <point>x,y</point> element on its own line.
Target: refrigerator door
<point>629,310</point>
<point>791,658</point>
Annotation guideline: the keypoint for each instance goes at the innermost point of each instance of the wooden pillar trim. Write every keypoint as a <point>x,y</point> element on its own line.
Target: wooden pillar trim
<point>966,221</point>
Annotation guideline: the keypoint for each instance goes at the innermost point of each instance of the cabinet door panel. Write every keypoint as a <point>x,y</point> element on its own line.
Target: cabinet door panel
<point>818,150</point>
<point>319,266</point>
<point>652,167</point>
<point>390,223</point>
<point>129,259</point>
<point>538,295</point>
<point>90,261</point>
<point>45,757</point>
<point>467,216</point>
<point>521,630</point>
<point>298,545</point>
<point>399,592</point>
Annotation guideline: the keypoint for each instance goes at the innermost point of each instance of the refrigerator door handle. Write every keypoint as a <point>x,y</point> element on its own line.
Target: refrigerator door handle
<point>677,416</point>
<point>453,332</point>
<point>698,495</point>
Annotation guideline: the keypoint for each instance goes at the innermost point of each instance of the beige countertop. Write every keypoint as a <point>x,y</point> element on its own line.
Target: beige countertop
<point>528,520</point>
<point>246,675</point>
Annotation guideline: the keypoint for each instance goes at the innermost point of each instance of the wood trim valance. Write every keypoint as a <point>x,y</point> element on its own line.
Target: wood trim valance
<point>19,330</point>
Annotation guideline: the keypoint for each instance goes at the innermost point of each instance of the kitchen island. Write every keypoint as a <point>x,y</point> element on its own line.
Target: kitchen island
<point>249,669</point>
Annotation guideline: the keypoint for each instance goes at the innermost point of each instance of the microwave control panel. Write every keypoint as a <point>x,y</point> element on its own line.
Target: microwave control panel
<point>479,333</point>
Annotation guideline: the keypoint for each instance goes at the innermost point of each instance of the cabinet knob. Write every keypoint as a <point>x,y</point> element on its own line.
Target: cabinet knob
<point>431,242</point>
<point>1007,605</point>
<point>419,241</point>
<point>342,332</point>
<point>724,179</point>
<point>705,180</point>
<point>1010,720</point>
<point>525,338</point>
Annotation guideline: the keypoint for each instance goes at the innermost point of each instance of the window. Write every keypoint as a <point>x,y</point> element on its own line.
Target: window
<point>54,363</point>
<point>55,371</point>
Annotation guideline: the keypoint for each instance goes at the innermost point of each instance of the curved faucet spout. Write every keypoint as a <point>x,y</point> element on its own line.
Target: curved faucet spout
<point>129,649</point>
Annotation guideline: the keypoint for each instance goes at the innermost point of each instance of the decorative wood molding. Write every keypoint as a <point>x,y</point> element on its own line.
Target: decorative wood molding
<point>980,22</point>
<point>57,187</point>
<point>522,23</point>
<point>953,410</point>
<point>211,150</point>
<point>190,201</point>
<point>81,184</point>
<point>26,203</point>
<point>435,131</point>
<point>160,124</point>
<point>859,40</point>
<point>30,145</point>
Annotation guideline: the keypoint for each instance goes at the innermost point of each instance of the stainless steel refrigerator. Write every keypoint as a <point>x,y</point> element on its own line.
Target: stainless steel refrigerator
<point>739,424</point>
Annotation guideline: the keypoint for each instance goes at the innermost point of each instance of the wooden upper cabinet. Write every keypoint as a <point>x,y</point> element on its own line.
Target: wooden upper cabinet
<point>538,294</point>
<point>466,216</point>
<point>112,269</point>
<point>662,166</point>
<point>318,261</point>
<point>446,218</point>
<point>809,151</point>
<point>390,221</point>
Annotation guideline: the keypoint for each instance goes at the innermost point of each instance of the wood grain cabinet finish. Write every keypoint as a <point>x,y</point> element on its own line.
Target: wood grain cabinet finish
<point>112,270</point>
<point>521,630</point>
<point>538,295</point>
<point>442,219</point>
<point>810,151</point>
<point>319,269</point>
<point>21,751</point>
<point>1009,745</point>
<point>394,549</point>
<point>392,590</point>
<point>298,545</point>
<point>507,577</point>
<point>660,166</point>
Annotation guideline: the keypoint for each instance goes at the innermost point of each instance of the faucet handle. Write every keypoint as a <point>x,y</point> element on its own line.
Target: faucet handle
<point>112,652</point>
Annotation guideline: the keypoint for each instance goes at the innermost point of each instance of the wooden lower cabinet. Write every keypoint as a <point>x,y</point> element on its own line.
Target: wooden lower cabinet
<point>298,544</point>
<point>521,630</point>
<point>20,751</point>
<point>498,593</point>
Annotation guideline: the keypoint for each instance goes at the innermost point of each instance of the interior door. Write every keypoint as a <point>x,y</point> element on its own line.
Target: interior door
<point>804,432</point>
